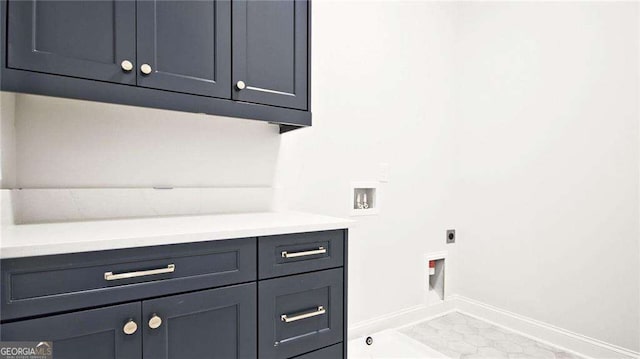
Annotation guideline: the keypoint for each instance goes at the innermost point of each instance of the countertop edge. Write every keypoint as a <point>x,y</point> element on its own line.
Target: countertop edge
<point>42,249</point>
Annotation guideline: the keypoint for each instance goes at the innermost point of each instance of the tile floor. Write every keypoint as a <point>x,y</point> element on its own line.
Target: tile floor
<point>460,336</point>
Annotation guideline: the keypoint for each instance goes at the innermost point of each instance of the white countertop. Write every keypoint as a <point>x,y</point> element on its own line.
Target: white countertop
<point>69,237</point>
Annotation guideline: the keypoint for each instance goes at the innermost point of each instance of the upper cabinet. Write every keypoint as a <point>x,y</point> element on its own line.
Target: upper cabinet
<point>86,39</point>
<point>270,52</point>
<point>185,46</point>
<point>238,58</point>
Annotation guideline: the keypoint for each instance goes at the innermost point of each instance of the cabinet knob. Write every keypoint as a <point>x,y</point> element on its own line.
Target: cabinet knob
<point>126,65</point>
<point>130,327</point>
<point>240,85</point>
<point>145,69</point>
<point>155,322</point>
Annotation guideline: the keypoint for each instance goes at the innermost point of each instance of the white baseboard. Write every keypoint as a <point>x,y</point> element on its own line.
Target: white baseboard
<point>399,318</point>
<point>540,331</point>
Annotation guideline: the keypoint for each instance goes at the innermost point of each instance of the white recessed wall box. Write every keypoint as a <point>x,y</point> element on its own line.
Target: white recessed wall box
<point>434,272</point>
<point>364,198</point>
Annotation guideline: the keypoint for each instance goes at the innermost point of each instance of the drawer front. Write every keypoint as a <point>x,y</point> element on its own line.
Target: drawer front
<point>298,253</point>
<point>300,313</point>
<point>49,284</point>
<point>332,352</point>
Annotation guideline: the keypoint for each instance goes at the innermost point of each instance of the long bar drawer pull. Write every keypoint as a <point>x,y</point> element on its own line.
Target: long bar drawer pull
<point>110,276</point>
<point>320,250</point>
<point>288,319</point>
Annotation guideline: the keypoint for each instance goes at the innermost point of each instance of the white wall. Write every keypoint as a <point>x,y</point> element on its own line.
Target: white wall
<point>7,155</point>
<point>547,165</point>
<point>80,160</point>
<point>71,143</point>
<point>381,94</point>
<point>534,160</point>
<point>7,140</point>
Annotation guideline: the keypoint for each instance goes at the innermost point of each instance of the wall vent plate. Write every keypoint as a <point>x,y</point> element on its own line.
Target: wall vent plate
<point>451,236</point>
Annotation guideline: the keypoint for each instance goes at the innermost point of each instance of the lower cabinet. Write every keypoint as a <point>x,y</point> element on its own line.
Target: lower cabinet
<point>272,297</point>
<point>300,313</point>
<point>334,351</point>
<point>216,323</point>
<point>95,334</point>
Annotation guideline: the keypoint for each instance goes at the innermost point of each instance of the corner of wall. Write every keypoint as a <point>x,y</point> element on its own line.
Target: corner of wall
<point>7,140</point>
<point>8,209</point>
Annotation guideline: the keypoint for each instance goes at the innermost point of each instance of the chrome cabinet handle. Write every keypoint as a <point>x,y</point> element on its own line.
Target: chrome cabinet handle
<point>320,250</point>
<point>240,85</point>
<point>130,327</point>
<point>155,322</point>
<point>110,276</point>
<point>145,69</point>
<point>288,319</point>
<point>126,65</point>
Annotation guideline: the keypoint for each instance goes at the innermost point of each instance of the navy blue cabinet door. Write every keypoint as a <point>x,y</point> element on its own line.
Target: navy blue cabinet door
<point>86,39</point>
<point>95,334</point>
<point>187,46</point>
<point>270,54</point>
<point>216,324</point>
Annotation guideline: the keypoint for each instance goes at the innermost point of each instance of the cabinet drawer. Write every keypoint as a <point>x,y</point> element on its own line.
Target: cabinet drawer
<point>48,284</point>
<point>300,313</point>
<point>332,352</point>
<point>299,253</point>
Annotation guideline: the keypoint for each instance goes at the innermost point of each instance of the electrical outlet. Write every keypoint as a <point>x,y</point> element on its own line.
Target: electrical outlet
<point>451,236</point>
